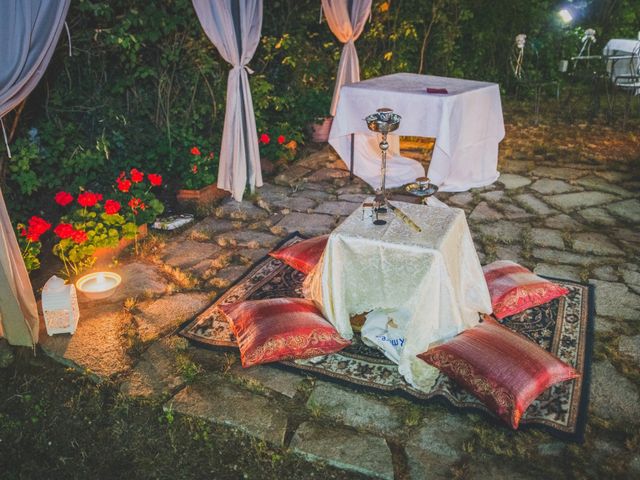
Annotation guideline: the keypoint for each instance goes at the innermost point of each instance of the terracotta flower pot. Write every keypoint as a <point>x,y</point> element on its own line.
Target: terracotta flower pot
<point>204,196</point>
<point>320,131</point>
<point>104,255</point>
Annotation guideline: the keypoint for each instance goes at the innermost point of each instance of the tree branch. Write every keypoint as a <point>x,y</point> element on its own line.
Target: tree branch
<point>434,16</point>
<point>16,119</point>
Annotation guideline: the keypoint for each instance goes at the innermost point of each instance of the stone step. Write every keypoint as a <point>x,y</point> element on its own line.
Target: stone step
<point>344,448</point>
<point>215,399</point>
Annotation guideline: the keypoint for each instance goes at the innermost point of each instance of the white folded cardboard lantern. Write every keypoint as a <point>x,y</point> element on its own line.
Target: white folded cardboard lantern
<point>60,306</point>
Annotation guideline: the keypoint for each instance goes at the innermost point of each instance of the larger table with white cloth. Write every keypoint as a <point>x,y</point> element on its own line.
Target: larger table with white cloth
<point>466,122</point>
<point>435,275</point>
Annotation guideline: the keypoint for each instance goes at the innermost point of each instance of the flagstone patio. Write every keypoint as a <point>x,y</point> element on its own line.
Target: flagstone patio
<point>567,207</point>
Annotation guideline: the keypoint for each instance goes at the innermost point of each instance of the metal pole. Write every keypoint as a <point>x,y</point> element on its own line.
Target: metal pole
<point>352,151</point>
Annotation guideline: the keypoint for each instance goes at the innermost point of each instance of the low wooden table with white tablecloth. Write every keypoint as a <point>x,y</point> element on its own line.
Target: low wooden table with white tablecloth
<point>466,122</point>
<point>434,275</point>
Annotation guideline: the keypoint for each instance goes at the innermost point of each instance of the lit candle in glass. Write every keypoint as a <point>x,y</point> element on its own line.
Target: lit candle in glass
<point>98,285</point>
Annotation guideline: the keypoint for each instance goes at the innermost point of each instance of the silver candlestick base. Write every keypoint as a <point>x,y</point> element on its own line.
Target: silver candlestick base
<point>383,121</point>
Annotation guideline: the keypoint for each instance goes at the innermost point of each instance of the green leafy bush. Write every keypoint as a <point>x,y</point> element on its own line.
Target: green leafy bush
<point>95,222</point>
<point>145,84</point>
<point>199,169</point>
<point>29,241</point>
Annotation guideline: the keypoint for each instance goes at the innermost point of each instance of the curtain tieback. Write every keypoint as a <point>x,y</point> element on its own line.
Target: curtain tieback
<point>249,71</point>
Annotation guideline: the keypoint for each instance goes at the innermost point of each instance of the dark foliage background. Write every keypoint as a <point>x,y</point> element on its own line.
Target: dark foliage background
<point>144,84</point>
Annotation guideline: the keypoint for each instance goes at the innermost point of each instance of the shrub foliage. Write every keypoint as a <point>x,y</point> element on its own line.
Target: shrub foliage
<point>144,83</point>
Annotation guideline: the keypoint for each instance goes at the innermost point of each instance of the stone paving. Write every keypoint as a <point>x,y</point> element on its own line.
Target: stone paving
<point>561,213</point>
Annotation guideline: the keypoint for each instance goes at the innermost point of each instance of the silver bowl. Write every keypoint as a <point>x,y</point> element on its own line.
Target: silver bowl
<point>420,190</point>
<point>383,121</point>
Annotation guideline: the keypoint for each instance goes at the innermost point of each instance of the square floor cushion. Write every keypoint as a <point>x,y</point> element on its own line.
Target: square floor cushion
<point>304,255</point>
<point>503,369</point>
<point>281,329</point>
<point>513,288</point>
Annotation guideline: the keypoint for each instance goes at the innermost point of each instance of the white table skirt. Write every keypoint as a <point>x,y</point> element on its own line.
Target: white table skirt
<point>434,274</point>
<point>467,124</point>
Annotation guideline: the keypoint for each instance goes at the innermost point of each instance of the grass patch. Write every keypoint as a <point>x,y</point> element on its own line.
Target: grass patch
<point>316,411</point>
<point>527,243</point>
<point>57,424</point>
<point>412,415</point>
<point>135,344</point>
<point>606,348</point>
<point>130,304</point>
<point>182,280</point>
<point>198,236</point>
<point>150,247</point>
<point>490,248</point>
<point>187,368</point>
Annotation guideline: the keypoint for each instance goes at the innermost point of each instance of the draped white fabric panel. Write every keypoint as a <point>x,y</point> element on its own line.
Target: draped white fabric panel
<point>234,27</point>
<point>347,25</point>
<point>29,32</point>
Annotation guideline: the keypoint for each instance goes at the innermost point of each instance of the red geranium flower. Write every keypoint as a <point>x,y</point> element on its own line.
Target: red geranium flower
<point>111,207</point>
<point>281,139</point>
<point>89,199</point>
<point>264,138</point>
<point>155,179</point>
<point>34,237</point>
<point>64,230</point>
<point>194,168</point>
<point>124,185</point>
<point>63,198</point>
<point>79,236</point>
<point>195,151</point>
<point>135,204</point>
<point>136,175</point>
<point>36,227</point>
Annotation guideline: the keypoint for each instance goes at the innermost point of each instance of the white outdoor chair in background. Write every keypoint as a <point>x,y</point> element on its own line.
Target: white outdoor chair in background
<point>622,59</point>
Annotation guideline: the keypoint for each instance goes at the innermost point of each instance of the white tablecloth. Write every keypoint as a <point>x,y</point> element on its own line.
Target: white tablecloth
<point>434,274</point>
<point>467,124</point>
<point>622,46</point>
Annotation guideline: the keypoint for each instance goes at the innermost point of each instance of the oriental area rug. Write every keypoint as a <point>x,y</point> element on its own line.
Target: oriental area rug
<point>563,327</point>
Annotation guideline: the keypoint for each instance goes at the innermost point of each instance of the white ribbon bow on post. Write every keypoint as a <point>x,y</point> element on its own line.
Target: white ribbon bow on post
<point>588,38</point>
<point>520,41</point>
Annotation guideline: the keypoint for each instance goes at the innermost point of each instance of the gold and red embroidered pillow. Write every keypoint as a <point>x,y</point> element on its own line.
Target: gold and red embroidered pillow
<point>513,288</point>
<point>281,329</point>
<point>504,370</point>
<point>304,255</point>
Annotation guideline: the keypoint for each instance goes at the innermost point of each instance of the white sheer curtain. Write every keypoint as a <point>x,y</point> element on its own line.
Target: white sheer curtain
<point>29,32</point>
<point>346,19</point>
<point>234,26</point>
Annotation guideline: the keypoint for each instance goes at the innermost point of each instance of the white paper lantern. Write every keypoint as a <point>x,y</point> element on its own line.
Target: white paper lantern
<point>60,306</point>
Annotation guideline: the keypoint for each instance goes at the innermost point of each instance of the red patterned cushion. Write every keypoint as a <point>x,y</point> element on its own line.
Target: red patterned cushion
<point>304,255</point>
<point>504,370</point>
<point>281,329</point>
<point>514,288</point>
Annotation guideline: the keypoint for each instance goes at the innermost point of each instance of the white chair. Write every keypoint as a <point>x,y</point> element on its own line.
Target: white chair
<point>589,69</point>
<point>624,74</point>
